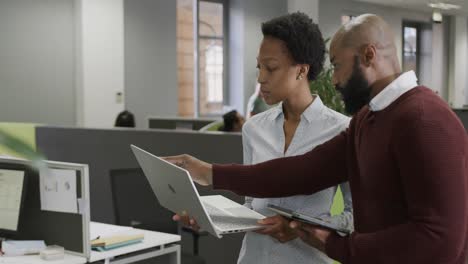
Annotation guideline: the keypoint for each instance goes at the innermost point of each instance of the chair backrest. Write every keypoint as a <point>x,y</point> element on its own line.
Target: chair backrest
<point>214,126</point>
<point>135,203</point>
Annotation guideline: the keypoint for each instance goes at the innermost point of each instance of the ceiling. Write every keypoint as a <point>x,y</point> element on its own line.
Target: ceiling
<point>421,5</point>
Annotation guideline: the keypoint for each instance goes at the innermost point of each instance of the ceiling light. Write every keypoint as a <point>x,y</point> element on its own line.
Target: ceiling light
<point>437,17</point>
<point>443,6</point>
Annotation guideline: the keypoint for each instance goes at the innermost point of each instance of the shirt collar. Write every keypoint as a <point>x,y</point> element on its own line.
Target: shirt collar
<point>312,112</point>
<point>395,89</point>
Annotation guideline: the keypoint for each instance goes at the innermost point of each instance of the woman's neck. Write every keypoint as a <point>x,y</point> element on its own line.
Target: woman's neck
<point>296,104</point>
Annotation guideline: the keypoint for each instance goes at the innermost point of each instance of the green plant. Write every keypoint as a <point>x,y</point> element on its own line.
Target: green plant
<point>324,87</point>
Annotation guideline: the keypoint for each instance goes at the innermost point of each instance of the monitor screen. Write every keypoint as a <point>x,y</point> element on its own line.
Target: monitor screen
<point>11,198</point>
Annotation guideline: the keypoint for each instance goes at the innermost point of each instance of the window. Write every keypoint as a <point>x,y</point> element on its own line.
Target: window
<point>410,47</point>
<point>201,74</point>
<point>211,54</point>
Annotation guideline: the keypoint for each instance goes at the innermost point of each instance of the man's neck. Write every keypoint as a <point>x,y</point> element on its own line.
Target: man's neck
<point>382,83</point>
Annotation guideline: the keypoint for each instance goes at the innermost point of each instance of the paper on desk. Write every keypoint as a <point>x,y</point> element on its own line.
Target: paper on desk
<point>58,190</point>
<point>106,230</point>
<point>25,247</point>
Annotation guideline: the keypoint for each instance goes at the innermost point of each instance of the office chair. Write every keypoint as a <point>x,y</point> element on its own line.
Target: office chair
<point>136,205</point>
<point>214,126</point>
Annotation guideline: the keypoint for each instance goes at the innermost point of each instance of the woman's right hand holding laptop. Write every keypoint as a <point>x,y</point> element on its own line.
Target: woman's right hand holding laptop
<point>200,171</point>
<point>186,221</point>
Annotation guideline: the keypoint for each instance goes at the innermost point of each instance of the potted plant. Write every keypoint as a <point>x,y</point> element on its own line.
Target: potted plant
<point>324,87</point>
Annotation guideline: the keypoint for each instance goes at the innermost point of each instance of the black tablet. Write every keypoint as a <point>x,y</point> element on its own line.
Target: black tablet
<point>293,215</point>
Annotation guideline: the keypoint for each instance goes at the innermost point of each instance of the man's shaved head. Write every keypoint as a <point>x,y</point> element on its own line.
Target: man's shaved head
<point>363,30</point>
<point>364,56</point>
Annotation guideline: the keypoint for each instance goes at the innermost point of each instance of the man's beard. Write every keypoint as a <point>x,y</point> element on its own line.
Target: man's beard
<point>356,92</point>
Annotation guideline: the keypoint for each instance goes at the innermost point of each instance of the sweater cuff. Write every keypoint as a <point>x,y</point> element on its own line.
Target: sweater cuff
<point>219,181</point>
<point>336,247</point>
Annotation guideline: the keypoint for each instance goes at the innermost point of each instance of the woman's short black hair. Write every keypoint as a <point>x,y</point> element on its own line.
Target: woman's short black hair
<point>302,38</point>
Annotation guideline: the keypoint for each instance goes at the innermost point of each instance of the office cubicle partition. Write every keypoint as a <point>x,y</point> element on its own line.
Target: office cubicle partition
<point>108,150</point>
<point>69,230</point>
<point>180,123</point>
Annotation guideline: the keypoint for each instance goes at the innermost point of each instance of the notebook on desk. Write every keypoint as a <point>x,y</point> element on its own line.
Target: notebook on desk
<point>105,237</point>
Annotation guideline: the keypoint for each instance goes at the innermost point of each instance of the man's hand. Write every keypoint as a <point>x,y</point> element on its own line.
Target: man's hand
<point>278,228</point>
<point>201,172</point>
<point>186,221</point>
<point>310,234</point>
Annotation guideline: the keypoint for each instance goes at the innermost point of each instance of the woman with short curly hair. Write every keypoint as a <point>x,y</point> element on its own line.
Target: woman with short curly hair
<point>290,56</point>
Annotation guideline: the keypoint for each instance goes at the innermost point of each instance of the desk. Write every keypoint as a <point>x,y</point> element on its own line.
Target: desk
<point>35,259</point>
<point>154,244</point>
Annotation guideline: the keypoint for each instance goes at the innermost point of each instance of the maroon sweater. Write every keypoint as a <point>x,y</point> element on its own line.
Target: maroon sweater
<point>407,167</point>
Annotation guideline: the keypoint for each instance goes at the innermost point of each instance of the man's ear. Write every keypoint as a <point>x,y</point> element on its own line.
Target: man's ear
<point>368,54</point>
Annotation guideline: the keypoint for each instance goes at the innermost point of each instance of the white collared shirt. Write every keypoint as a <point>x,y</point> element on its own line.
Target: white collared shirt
<point>395,89</point>
<point>263,139</point>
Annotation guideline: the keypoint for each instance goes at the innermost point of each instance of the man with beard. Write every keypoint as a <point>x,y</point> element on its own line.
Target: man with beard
<point>404,154</point>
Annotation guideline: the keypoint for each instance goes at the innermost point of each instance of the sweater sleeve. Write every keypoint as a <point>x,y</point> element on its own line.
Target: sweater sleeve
<point>304,174</point>
<point>432,160</point>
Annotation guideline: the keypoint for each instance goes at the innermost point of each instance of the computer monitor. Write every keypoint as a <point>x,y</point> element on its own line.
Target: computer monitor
<point>12,194</point>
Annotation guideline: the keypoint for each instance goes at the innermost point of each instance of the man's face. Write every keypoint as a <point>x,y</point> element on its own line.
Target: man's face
<point>349,79</point>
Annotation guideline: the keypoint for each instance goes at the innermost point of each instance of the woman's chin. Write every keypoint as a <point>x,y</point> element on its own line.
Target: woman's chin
<point>270,101</point>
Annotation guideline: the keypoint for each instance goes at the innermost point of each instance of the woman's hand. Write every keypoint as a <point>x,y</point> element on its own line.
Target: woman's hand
<point>200,171</point>
<point>278,228</point>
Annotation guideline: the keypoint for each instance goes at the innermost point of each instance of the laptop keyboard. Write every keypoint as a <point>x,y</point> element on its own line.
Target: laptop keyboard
<point>225,221</point>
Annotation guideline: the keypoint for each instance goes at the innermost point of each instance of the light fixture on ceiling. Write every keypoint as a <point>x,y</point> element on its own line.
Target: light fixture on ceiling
<point>443,6</point>
<point>437,17</point>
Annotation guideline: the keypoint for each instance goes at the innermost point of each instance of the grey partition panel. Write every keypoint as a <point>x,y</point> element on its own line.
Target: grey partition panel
<point>463,115</point>
<point>109,149</point>
<point>179,123</point>
<point>64,229</point>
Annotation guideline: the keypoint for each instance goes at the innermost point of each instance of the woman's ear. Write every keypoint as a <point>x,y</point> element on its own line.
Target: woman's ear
<point>303,71</point>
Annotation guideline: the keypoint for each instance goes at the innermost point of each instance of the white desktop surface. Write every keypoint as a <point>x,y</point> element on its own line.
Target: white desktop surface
<point>151,239</point>
<point>35,259</point>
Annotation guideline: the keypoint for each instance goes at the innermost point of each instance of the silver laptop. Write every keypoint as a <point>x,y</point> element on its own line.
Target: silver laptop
<point>176,191</point>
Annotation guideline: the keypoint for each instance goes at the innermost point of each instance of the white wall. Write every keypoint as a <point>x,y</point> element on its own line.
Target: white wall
<point>37,61</point>
<point>310,7</point>
<point>100,61</point>
<point>458,62</point>
<point>236,56</point>
<point>245,38</point>
<point>440,57</point>
<point>150,59</point>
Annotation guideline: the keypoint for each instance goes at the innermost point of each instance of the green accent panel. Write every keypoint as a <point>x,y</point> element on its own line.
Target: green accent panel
<point>26,132</point>
<point>337,206</point>
<point>338,203</point>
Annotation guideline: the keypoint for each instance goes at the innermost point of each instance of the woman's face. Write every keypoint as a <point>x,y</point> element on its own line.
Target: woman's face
<point>277,73</point>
